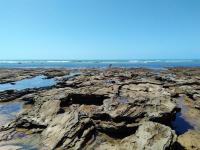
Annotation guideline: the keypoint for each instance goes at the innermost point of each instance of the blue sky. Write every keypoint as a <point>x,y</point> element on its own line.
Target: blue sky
<point>99,29</point>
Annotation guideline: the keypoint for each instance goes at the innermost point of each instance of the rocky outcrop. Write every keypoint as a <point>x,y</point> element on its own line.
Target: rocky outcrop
<point>189,140</point>
<point>103,109</point>
<point>68,130</point>
<point>151,136</point>
<point>13,75</point>
<point>10,95</point>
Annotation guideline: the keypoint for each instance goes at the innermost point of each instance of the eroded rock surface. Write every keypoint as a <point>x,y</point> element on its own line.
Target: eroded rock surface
<point>190,140</point>
<point>103,109</point>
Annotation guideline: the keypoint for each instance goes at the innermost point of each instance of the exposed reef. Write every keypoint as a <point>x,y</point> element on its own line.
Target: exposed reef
<point>103,109</point>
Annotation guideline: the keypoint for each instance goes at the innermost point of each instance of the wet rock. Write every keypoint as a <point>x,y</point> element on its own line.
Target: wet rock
<point>111,108</point>
<point>7,134</point>
<point>29,99</point>
<point>45,115</point>
<point>13,75</point>
<point>10,147</point>
<point>10,95</point>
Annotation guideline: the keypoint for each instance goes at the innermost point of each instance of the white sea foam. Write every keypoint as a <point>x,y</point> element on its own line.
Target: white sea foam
<point>95,63</point>
<point>144,61</point>
<point>32,61</point>
<point>134,61</point>
<point>57,61</point>
<point>8,61</point>
<point>178,61</point>
<point>152,61</point>
<point>112,62</point>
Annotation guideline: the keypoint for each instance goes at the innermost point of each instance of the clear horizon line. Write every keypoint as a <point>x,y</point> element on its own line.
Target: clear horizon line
<point>99,59</point>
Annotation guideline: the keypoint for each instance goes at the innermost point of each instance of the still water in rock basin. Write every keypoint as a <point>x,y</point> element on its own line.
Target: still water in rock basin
<point>36,82</point>
<point>8,111</point>
<point>29,142</point>
<point>21,141</point>
<point>181,124</point>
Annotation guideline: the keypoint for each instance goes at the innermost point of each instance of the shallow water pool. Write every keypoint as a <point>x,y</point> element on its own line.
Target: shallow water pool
<point>8,111</point>
<point>35,82</point>
<point>181,124</point>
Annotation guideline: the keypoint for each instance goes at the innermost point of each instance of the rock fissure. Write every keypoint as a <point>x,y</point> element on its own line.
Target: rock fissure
<point>83,99</point>
<point>117,108</point>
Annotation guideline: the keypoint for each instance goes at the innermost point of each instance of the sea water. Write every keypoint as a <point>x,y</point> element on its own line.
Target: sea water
<point>149,63</point>
<point>35,82</point>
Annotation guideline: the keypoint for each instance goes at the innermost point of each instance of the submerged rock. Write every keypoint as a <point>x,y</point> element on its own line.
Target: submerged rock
<point>10,147</point>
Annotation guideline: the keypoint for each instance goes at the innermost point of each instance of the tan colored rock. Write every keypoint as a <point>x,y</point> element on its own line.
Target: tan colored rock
<point>103,109</point>
<point>49,110</point>
<point>149,136</point>
<point>190,140</point>
<point>68,130</point>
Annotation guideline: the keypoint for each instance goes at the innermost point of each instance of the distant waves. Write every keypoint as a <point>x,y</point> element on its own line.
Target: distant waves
<point>149,63</point>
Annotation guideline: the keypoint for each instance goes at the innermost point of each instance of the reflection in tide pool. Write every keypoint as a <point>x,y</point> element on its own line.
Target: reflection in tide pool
<point>20,141</point>
<point>181,124</point>
<point>8,111</point>
<point>36,82</point>
<point>29,142</point>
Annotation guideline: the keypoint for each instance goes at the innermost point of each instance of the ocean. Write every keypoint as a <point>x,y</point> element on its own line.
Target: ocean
<point>150,63</point>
